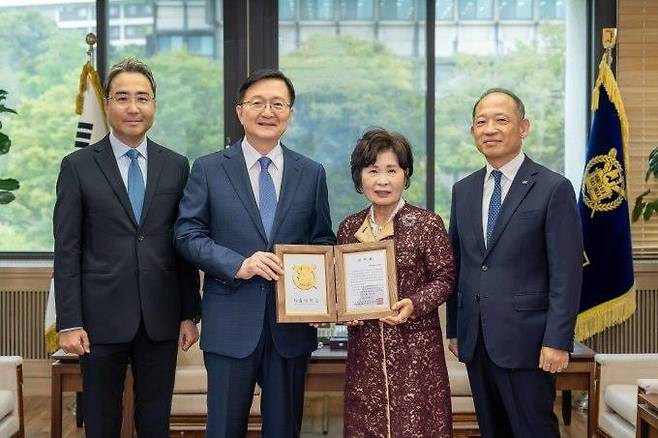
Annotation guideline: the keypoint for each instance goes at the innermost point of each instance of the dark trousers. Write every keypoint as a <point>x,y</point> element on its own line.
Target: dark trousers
<point>103,374</point>
<point>511,402</point>
<point>231,388</point>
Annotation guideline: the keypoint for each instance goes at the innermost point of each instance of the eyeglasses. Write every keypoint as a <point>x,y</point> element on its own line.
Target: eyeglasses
<point>123,100</point>
<point>278,106</point>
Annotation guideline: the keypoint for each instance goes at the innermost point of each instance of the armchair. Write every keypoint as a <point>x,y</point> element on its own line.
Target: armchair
<point>617,391</point>
<point>11,397</point>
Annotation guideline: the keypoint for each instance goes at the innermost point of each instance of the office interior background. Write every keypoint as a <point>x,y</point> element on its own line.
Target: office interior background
<point>414,66</point>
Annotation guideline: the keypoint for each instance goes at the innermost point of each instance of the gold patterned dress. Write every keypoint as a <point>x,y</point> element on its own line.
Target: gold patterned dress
<point>396,382</point>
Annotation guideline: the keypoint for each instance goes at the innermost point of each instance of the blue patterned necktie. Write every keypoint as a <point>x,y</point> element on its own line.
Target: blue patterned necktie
<point>494,204</point>
<point>266,195</point>
<point>135,184</point>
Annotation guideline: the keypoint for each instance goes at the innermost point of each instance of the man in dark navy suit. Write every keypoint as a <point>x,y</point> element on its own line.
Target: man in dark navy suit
<point>516,236</point>
<point>237,204</point>
<point>122,294</point>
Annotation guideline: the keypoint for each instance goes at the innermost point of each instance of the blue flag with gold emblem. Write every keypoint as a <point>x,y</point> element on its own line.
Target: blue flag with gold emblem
<point>608,294</point>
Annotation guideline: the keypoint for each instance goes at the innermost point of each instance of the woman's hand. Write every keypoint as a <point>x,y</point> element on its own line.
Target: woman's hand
<point>354,323</point>
<point>405,308</point>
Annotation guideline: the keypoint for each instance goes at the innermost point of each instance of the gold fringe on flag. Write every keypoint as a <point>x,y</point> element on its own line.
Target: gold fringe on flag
<point>88,70</point>
<point>605,315</point>
<point>51,339</point>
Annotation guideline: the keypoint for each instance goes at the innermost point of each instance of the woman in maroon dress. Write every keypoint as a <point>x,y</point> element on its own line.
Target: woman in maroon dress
<point>396,378</point>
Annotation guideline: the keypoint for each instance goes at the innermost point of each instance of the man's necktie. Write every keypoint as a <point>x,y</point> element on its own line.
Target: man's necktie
<point>135,184</point>
<point>266,196</point>
<point>494,204</point>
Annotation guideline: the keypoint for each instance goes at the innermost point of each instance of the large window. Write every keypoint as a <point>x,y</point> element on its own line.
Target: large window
<point>526,57</point>
<point>181,40</point>
<point>43,51</point>
<point>350,76</point>
<point>40,68</point>
<point>354,74</point>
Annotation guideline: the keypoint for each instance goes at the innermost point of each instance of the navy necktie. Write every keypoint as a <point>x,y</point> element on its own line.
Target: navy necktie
<point>266,196</point>
<point>494,204</point>
<point>135,184</point>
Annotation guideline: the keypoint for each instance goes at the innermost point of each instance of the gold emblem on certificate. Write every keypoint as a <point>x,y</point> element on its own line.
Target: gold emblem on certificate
<point>305,277</point>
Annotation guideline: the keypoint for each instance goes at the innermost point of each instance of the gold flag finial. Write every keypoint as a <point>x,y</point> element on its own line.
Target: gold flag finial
<point>609,37</point>
<point>91,40</point>
<point>609,40</point>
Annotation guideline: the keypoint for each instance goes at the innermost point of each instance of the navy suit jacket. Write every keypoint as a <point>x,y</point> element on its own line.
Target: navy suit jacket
<point>113,270</point>
<point>219,225</point>
<point>525,287</point>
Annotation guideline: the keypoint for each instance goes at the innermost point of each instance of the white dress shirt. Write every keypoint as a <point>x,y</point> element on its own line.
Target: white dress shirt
<point>509,171</point>
<point>275,168</point>
<point>123,161</point>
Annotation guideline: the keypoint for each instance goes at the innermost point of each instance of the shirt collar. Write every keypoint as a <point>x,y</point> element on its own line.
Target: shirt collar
<point>251,155</point>
<point>120,148</point>
<point>509,169</point>
<point>371,213</point>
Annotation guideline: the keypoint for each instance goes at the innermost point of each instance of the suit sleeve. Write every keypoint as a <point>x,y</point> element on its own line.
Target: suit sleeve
<point>188,275</point>
<point>437,257</point>
<point>192,232</point>
<point>67,230</point>
<point>451,306</point>
<point>564,249</point>
<point>321,232</point>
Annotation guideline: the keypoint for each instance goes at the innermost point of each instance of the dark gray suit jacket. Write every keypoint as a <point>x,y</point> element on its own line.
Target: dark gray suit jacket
<point>525,287</point>
<point>112,269</point>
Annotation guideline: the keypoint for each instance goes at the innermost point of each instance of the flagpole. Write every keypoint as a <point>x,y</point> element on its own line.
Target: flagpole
<point>91,42</point>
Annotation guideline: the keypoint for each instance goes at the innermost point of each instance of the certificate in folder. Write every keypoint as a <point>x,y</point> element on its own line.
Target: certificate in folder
<point>336,283</point>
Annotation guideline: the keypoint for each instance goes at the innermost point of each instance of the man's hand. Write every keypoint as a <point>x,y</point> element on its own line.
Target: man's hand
<point>552,360</point>
<point>263,264</point>
<point>74,341</point>
<point>452,346</point>
<point>405,308</point>
<point>189,334</point>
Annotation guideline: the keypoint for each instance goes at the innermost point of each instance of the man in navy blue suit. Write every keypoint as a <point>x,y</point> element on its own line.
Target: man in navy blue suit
<point>516,236</point>
<point>237,204</point>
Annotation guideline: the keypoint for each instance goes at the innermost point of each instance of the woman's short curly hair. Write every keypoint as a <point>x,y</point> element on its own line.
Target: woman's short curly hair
<point>375,141</point>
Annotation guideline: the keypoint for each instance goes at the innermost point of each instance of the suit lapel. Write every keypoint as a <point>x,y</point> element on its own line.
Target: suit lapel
<point>289,183</point>
<point>477,189</point>
<point>523,182</point>
<point>108,164</point>
<point>154,162</point>
<point>236,169</point>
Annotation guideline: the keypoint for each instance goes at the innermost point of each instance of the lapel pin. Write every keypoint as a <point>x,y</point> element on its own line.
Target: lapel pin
<point>525,181</point>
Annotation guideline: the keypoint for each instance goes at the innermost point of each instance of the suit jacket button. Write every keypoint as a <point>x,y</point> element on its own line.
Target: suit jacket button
<point>484,268</point>
<point>140,237</point>
<point>477,298</point>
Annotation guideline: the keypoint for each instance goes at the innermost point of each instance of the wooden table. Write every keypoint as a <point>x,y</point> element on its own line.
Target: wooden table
<point>326,372</point>
<point>580,375</point>
<point>66,377</point>
<point>647,416</point>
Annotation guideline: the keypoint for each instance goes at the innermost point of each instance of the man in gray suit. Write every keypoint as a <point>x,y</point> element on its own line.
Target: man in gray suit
<point>517,240</point>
